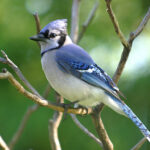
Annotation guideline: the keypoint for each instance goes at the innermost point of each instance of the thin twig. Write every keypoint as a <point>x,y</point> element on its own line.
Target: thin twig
<point>88,21</point>
<point>26,116</point>
<point>3,145</point>
<point>46,91</point>
<point>139,144</point>
<point>6,60</point>
<point>53,126</point>
<point>102,133</point>
<point>3,60</point>
<point>37,22</point>
<point>75,20</point>
<point>140,28</point>
<point>38,26</point>
<point>32,108</point>
<point>38,100</point>
<point>85,130</point>
<point>126,50</point>
<point>22,125</point>
<point>115,23</point>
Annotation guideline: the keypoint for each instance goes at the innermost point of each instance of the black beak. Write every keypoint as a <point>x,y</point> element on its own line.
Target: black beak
<point>38,37</point>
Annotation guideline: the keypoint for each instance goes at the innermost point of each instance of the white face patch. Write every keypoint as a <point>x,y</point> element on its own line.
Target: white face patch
<point>50,43</point>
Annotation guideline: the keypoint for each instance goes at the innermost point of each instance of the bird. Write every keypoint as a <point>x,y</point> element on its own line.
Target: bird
<point>73,74</point>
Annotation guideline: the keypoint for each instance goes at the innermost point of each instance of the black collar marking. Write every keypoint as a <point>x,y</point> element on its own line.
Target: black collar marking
<point>60,42</point>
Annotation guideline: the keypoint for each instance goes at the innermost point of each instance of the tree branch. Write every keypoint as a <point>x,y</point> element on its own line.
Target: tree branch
<point>115,23</point>
<point>139,144</point>
<point>30,109</point>
<point>102,133</point>
<point>38,100</point>
<point>140,28</point>
<point>53,126</point>
<point>37,22</point>
<point>38,26</point>
<point>127,46</point>
<point>3,145</point>
<point>75,20</point>
<point>6,60</point>
<point>88,21</point>
<point>127,49</point>
<point>26,116</point>
<point>85,130</point>
<point>22,125</point>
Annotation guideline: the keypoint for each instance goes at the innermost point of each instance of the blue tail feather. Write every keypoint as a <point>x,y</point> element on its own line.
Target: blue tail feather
<point>130,114</point>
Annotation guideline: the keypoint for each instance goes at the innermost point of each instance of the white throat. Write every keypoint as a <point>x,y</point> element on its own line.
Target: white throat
<point>49,44</point>
<point>68,40</point>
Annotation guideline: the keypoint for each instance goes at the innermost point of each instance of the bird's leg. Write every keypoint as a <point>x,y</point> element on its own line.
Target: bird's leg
<point>66,106</point>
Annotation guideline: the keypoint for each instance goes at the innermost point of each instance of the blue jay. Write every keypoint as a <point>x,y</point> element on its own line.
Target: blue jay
<point>74,75</point>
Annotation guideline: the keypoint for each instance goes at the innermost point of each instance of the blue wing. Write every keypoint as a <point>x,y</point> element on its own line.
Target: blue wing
<point>74,60</point>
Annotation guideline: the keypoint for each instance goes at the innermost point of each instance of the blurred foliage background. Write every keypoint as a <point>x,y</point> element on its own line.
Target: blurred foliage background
<point>17,25</point>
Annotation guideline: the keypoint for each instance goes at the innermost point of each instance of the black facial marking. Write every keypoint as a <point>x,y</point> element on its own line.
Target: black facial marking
<point>52,35</point>
<point>61,40</point>
<point>46,33</point>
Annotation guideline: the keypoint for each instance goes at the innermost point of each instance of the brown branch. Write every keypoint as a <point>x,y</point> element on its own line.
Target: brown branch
<point>75,20</point>
<point>46,91</point>
<point>107,144</point>
<point>22,125</point>
<point>127,44</point>
<point>6,60</point>
<point>30,109</point>
<point>88,21</point>
<point>3,145</point>
<point>115,23</point>
<point>37,22</point>
<point>26,116</point>
<point>126,50</point>
<point>38,26</point>
<point>38,100</point>
<point>85,130</point>
<point>140,28</point>
<point>53,126</point>
<point>127,47</point>
<point>139,144</point>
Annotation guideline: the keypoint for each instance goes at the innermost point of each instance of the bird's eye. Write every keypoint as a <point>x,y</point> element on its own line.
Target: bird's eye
<point>52,35</point>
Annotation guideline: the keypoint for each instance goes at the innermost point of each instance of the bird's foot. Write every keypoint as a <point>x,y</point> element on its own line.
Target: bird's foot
<point>83,108</point>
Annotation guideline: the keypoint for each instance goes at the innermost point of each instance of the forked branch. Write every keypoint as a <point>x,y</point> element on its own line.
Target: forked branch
<point>54,124</point>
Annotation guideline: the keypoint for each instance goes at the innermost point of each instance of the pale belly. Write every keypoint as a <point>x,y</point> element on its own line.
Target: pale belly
<point>70,87</point>
<point>74,89</point>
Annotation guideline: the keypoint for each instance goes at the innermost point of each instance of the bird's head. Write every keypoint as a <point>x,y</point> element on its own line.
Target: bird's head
<point>53,35</point>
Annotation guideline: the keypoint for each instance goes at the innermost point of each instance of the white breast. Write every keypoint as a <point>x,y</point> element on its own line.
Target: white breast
<point>72,88</point>
<point>69,86</point>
